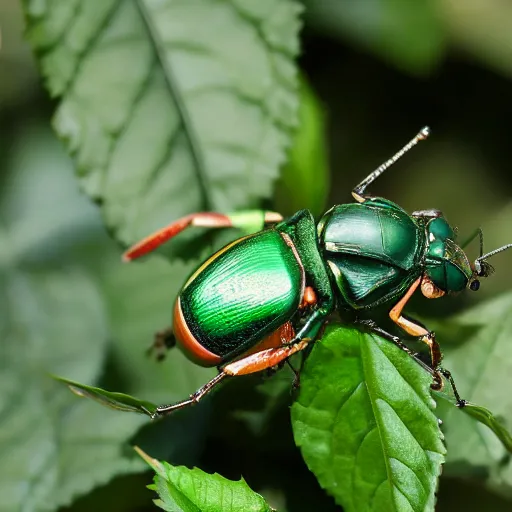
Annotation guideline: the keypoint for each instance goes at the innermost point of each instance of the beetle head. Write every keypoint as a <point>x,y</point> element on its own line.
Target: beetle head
<point>446,264</point>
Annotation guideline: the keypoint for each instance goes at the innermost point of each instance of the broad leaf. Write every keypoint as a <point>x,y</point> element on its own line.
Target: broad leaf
<point>191,490</point>
<point>52,320</point>
<point>365,424</point>
<point>170,107</point>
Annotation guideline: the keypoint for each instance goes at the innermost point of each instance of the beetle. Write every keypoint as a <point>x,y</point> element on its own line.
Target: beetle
<point>267,296</point>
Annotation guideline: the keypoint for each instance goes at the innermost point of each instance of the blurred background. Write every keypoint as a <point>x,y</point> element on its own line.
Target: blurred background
<point>381,69</point>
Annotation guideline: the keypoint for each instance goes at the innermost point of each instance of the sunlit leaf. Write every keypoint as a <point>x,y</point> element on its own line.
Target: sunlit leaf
<point>364,421</point>
<point>191,490</point>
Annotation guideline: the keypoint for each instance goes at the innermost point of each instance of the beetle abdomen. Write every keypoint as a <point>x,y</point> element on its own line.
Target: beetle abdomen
<point>241,294</point>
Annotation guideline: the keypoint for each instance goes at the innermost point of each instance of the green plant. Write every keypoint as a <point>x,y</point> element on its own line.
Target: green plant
<point>168,108</point>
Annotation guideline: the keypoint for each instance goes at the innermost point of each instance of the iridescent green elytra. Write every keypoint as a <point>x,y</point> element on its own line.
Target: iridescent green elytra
<point>266,296</point>
<point>252,287</point>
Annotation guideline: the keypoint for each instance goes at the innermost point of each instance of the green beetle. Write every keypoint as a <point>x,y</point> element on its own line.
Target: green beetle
<point>266,296</point>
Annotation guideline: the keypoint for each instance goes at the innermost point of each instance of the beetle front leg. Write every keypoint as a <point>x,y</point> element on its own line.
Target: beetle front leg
<point>243,219</point>
<point>312,326</point>
<point>414,328</point>
<point>264,359</point>
<point>250,364</point>
<point>373,327</point>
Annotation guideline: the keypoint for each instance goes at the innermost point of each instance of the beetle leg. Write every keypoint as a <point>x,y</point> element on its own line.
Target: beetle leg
<point>460,401</point>
<point>163,341</point>
<point>311,328</point>
<point>358,192</point>
<point>414,328</point>
<point>194,398</point>
<point>372,326</point>
<point>296,379</point>
<point>264,359</point>
<point>250,364</point>
<point>204,220</point>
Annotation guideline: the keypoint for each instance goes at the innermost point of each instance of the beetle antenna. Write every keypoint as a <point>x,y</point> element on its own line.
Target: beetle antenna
<point>421,135</point>
<point>482,267</point>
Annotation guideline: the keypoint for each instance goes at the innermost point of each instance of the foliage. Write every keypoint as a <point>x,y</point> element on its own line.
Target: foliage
<point>169,107</point>
<point>213,117</point>
<point>365,424</point>
<point>191,490</point>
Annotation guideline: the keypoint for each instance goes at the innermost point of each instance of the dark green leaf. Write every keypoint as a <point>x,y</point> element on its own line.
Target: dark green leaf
<point>170,107</point>
<point>305,178</point>
<point>365,424</point>
<point>191,490</point>
<point>118,401</point>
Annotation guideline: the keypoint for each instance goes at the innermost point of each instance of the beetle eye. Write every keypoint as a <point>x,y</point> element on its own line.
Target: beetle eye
<point>475,285</point>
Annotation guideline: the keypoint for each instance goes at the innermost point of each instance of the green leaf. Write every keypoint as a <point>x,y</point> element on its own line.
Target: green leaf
<point>52,320</point>
<point>191,490</point>
<point>479,439</point>
<point>407,34</point>
<point>170,107</point>
<point>117,401</point>
<point>305,178</point>
<point>365,424</point>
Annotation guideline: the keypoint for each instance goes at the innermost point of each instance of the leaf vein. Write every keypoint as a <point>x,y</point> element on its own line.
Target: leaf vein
<point>171,83</point>
<point>67,29</point>
<point>81,56</point>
